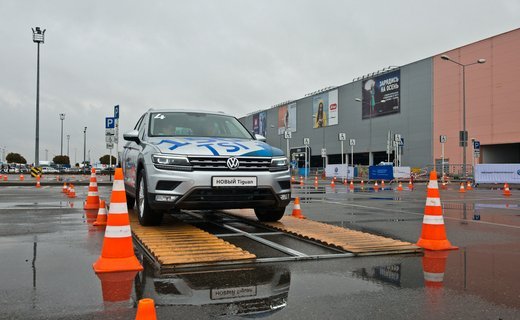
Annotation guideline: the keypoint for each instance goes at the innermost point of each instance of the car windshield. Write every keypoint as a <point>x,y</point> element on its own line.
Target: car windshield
<point>175,124</point>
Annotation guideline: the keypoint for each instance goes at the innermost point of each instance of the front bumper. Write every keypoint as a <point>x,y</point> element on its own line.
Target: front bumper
<point>193,189</point>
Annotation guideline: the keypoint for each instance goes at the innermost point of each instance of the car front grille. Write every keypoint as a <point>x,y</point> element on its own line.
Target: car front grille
<point>228,198</point>
<point>219,164</point>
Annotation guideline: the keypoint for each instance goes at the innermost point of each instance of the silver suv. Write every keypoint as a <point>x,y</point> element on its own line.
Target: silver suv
<point>181,159</point>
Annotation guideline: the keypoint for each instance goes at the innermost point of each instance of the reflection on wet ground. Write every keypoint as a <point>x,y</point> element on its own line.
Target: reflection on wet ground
<point>243,291</point>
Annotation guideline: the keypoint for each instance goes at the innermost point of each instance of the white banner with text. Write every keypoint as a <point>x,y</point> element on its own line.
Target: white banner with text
<point>497,173</point>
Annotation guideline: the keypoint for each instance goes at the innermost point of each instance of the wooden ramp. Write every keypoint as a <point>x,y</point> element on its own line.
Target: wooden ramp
<point>176,243</point>
<point>357,242</point>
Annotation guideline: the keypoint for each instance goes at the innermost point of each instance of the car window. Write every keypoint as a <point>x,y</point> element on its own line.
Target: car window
<point>171,124</point>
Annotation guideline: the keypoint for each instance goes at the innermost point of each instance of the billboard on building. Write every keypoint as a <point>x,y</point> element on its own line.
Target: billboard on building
<point>381,95</point>
<point>259,123</point>
<point>287,118</point>
<point>325,109</point>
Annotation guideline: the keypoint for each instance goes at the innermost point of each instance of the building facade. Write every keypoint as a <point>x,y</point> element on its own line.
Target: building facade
<point>418,102</point>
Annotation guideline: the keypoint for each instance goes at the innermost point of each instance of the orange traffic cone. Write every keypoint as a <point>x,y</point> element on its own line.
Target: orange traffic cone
<point>410,185</point>
<point>345,182</point>
<point>22,178</point>
<point>461,189</point>
<point>468,186</point>
<point>38,181</point>
<point>332,184</point>
<point>5,177</point>
<point>92,202</point>
<point>382,184</point>
<point>117,286</point>
<point>102,214</point>
<point>297,212</point>
<point>400,186</point>
<point>64,189</point>
<point>376,186</point>
<point>434,264</point>
<point>444,186</point>
<point>293,180</point>
<point>146,310</point>
<point>507,192</point>
<point>301,181</point>
<point>362,183</point>
<point>316,182</point>
<point>72,192</point>
<point>117,253</point>
<point>69,188</point>
<point>351,186</point>
<point>433,235</point>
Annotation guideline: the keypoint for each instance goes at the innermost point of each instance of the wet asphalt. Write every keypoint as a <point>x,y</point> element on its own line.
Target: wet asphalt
<point>48,245</point>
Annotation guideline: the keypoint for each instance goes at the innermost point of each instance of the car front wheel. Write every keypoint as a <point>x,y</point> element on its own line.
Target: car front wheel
<point>145,214</point>
<point>269,215</point>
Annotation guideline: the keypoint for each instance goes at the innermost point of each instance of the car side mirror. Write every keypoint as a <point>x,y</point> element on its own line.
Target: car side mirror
<point>260,137</point>
<point>132,136</point>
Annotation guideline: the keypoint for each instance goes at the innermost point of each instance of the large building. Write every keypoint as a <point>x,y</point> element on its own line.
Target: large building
<point>419,102</point>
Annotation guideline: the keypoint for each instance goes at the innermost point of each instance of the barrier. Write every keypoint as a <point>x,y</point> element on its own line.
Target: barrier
<point>497,173</point>
<point>402,172</point>
<point>381,172</point>
<point>339,170</point>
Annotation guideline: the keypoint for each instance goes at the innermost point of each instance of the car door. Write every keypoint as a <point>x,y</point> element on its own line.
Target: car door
<point>130,156</point>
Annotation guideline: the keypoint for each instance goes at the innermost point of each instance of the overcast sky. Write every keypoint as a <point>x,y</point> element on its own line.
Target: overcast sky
<point>236,56</point>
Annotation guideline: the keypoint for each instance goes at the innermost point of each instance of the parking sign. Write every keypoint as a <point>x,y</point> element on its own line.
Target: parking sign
<point>116,112</point>
<point>110,122</point>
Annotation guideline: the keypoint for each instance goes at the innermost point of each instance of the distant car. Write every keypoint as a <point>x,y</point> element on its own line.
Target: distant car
<point>184,159</point>
<point>49,170</point>
<point>107,170</point>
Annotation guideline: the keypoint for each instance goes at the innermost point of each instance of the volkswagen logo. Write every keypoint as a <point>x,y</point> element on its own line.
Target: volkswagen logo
<point>232,163</point>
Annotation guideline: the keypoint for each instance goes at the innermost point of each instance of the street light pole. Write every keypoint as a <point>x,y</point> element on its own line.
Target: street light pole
<point>464,132</point>
<point>68,142</point>
<point>84,147</point>
<point>38,37</point>
<point>62,117</point>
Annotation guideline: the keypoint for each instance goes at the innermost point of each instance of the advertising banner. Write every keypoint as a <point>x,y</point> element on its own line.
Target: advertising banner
<point>287,118</point>
<point>325,109</point>
<point>402,172</point>
<point>497,173</point>
<point>259,123</point>
<point>381,95</point>
<point>339,170</point>
<point>381,172</point>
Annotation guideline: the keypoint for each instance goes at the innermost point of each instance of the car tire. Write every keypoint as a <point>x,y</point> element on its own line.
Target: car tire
<point>130,201</point>
<point>145,214</point>
<point>269,215</point>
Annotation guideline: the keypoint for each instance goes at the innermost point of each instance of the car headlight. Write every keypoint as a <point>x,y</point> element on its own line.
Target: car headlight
<point>171,162</point>
<point>279,164</point>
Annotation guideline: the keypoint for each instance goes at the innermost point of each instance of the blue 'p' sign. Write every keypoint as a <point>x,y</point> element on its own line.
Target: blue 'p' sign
<point>110,122</point>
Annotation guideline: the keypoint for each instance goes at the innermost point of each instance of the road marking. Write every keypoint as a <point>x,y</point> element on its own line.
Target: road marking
<point>417,214</point>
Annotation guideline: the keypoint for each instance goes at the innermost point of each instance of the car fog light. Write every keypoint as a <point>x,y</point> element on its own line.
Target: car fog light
<point>165,198</point>
<point>285,196</point>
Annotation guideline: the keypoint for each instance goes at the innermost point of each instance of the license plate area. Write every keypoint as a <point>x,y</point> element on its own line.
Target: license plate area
<point>234,182</point>
<point>229,293</point>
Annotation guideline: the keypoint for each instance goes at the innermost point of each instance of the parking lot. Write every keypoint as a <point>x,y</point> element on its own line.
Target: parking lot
<point>48,245</point>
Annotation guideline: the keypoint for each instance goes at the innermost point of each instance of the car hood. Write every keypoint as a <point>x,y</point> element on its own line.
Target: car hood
<point>202,146</point>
